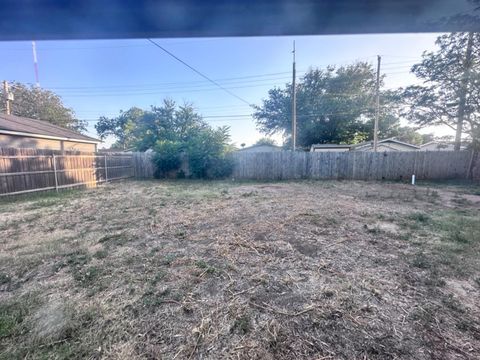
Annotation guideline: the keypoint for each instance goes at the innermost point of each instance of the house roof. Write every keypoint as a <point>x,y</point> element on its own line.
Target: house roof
<point>257,145</point>
<point>370,143</point>
<point>331,146</point>
<point>17,125</point>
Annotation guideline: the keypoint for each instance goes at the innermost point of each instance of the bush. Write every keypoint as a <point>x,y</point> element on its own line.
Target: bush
<point>207,154</point>
<point>206,150</point>
<point>221,167</point>
<point>166,157</point>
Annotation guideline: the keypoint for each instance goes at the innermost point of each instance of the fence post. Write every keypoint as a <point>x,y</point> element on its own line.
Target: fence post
<point>106,170</point>
<point>55,172</point>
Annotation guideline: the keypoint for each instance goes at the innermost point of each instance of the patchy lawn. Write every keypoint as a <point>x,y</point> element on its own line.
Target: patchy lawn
<point>218,270</point>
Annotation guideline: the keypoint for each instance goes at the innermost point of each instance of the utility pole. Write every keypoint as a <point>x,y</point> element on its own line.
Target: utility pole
<point>294,104</point>
<point>377,105</point>
<point>467,64</point>
<point>8,97</point>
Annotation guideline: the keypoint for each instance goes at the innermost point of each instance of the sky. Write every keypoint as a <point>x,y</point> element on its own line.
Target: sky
<point>101,77</point>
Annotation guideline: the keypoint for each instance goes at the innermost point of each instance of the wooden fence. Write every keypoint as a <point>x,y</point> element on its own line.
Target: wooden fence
<point>30,170</point>
<point>356,165</point>
<point>143,165</point>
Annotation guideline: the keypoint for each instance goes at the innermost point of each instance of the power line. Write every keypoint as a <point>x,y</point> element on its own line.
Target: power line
<point>164,92</point>
<point>241,117</point>
<point>171,83</point>
<point>198,72</point>
<point>176,87</point>
<point>129,89</point>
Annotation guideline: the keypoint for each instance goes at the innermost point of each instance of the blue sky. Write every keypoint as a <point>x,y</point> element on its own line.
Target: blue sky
<point>102,77</point>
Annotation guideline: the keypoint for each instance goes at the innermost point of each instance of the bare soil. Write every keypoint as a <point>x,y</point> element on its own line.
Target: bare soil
<point>227,270</point>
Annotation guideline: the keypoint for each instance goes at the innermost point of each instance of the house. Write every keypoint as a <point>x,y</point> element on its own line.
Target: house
<point>261,148</point>
<point>329,147</point>
<point>21,132</point>
<point>440,146</point>
<point>390,144</point>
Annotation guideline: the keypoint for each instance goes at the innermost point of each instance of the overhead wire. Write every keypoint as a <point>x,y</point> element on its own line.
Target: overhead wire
<point>198,72</point>
<point>242,117</point>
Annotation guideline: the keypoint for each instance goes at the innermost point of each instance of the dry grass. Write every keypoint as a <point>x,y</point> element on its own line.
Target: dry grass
<point>218,270</point>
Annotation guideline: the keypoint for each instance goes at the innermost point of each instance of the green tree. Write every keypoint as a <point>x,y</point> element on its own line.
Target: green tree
<point>37,103</point>
<point>410,135</point>
<point>167,157</point>
<point>207,151</point>
<point>141,129</point>
<point>171,131</point>
<point>265,141</point>
<point>335,105</point>
<point>122,127</point>
<point>450,90</point>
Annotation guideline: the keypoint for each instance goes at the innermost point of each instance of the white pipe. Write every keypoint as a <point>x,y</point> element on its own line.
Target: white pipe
<point>413,179</point>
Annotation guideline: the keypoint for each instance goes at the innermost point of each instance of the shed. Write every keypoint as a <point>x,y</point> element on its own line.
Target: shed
<point>21,132</point>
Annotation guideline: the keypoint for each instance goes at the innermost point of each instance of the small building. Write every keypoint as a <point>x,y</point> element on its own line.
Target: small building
<point>390,144</point>
<point>21,132</point>
<point>261,148</point>
<point>329,148</point>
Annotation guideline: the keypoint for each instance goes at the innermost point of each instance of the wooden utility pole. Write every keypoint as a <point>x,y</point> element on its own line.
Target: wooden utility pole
<point>377,105</point>
<point>8,97</point>
<point>294,104</point>
<point>467,64</point>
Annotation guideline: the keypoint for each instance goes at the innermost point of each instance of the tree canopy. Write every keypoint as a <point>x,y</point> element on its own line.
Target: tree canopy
<point>37,103</point>
<point>171,131</point>
<point>265,141</point>
<point>450,90</point>
<point>141,129</point>
<point>335,105</point>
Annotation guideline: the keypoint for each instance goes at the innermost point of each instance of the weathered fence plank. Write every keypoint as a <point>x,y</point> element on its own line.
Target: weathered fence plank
<point>30,170</point>
<point>287,165</point>
<point>143,165</point>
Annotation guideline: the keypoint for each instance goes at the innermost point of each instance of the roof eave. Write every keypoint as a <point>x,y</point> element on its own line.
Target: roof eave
<point>40,136</point>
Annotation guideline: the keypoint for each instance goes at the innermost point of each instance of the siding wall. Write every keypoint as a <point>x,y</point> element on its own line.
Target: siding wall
<point>23,142</point>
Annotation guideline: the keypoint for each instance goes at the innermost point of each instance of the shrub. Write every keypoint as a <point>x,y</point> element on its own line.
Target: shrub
<point>206,150</point>
<point>221,167</point>
<point>166,157</point>
<point>207,153</point>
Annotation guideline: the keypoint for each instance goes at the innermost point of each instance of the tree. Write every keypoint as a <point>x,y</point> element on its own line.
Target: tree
<point>265,141</point>
<point>121,127</point>
<point>410,135</point>
<point>334,105</point>
<point>37,103</point>
<point>171,131</point>
<point>450,92</point>
<point>207,152</point>
<point>141,129</point>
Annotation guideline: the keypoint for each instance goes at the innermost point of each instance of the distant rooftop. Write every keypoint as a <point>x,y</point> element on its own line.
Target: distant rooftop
<point>259,145</point>
<point>331,145</point>
<point>394,140</point>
